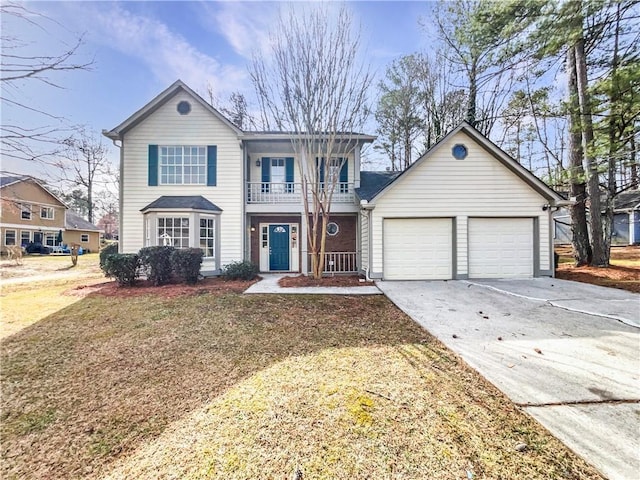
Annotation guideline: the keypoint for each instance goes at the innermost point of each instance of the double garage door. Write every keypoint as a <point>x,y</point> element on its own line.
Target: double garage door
<point>422,248</point>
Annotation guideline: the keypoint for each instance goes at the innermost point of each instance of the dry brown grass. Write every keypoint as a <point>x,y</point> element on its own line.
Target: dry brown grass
<point>221,385</point>
<point>624,272</point>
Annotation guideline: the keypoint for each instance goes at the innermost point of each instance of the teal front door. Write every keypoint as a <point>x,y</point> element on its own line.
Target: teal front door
<point>278,247</point>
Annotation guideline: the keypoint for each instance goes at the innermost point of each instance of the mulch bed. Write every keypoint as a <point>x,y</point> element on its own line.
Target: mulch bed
<point>614,276</point>
<point>336,281</point>
<point>144,287</point>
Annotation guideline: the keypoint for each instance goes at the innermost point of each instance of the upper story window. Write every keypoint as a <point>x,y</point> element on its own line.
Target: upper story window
<point>25,210</point>
<point>183,165</point>
<point>47,213</point>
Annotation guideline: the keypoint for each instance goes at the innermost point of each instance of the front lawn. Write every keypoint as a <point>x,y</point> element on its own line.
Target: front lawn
<point>230,386</point>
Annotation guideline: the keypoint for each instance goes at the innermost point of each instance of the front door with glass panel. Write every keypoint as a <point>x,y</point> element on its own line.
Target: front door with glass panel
<point>278,247</point>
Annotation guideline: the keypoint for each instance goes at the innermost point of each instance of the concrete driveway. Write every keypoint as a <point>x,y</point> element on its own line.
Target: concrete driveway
<point>577,373</point>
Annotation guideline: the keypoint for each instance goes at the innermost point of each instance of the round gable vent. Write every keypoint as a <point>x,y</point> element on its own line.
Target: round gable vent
<point>184,107</point>
<point>459,151</point>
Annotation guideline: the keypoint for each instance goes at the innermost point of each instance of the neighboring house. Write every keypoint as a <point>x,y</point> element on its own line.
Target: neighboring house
<point>190,178</point>
<point>30,212</point>
<point>81,232</point>
<point>626,218</point>
<point>626,221</point>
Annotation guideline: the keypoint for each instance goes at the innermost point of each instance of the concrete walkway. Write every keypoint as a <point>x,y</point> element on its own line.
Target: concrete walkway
<point>269,284</point>
<point>578,374</point>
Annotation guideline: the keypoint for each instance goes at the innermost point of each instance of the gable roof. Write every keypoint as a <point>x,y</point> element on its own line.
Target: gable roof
<point>7,179</point>
<point>177,86</point>
<point>499,154</point>
<point>372,183</point>
<point>629,200</point>
<point>73,221</point>
<point>189,202</point>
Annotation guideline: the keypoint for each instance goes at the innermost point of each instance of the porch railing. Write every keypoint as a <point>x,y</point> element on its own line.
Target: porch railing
<point>339,262</point>
<point>289,192</point>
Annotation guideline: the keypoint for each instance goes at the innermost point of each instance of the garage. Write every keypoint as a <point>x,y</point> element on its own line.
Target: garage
<point>500,247</point>
<point>418,248</point>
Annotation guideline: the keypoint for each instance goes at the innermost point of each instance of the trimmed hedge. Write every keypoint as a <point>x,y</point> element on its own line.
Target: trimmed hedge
<point>244,270</point>
<point>157,264</point>
<point>108,249</point>
<point>123,267</point>
<point>186,264</point>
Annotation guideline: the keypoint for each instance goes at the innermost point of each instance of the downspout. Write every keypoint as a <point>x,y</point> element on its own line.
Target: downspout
<point>366,209</point>
<point>120,183</point>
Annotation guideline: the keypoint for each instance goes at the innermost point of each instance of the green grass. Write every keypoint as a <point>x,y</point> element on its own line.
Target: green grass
<point>221,385</point>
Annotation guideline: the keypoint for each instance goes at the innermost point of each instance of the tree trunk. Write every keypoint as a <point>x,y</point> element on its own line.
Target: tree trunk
<point>634,165</point>
<point>578,211</point>
<point>599,255</point>
<point>473,92</point>
<point>614,145</point>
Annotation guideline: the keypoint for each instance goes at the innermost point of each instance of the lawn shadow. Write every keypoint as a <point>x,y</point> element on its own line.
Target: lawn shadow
<point>100,377</point>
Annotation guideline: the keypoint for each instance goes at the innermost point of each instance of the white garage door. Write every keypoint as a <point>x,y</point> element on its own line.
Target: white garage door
<point>418,248</point>
<point>500,247</point>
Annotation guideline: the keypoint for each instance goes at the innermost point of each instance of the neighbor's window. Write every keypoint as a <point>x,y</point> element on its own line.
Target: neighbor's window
<point>9,237</point>
<point>25,237</point>
<point>84,237</point>
<point>46,213</point>
<point>173,231</point>
<point>207,236</point>
<point>50,240</point>
<point>25,208</point>
<point>183,165</point>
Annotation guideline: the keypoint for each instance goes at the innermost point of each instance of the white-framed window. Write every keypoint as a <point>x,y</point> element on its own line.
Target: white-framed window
<point>50,240</point>
<point>25,211</point>
<point>25,237</point>
<point>182,165</point>
<point>173,231</point>
<point>207,236</point>
<point>84,237</point>
<point>47,213</point>
<point>9,237</point>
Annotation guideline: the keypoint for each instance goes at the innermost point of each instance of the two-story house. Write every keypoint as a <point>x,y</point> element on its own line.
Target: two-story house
<point>191,178</point>
<point>29,212</point>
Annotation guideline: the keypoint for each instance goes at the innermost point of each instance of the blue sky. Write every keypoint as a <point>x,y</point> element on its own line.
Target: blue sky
<point>140,48</point>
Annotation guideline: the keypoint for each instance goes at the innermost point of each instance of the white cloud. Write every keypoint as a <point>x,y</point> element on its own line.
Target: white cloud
<point>245,25</point>
<point>167,54</point>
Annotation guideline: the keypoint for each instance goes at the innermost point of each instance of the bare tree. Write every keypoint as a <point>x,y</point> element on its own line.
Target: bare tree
<point>316,89</point>
<point>20,65</point>
<point>83,163</point>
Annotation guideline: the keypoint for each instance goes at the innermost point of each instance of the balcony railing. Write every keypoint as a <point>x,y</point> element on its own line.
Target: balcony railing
<point>289,192</point>
<point>339,262</point>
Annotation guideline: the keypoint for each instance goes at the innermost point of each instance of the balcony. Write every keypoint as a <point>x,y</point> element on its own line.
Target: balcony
<point>291,193</point>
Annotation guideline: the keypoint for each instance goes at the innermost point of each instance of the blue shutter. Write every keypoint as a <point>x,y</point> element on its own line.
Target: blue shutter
<point>212,165</point>
<point>153,165</point>
<point>344,172</point>
<point>266,173</point>
<point>288,171</point>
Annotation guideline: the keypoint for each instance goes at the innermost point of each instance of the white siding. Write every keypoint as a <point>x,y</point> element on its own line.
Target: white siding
<point>166,126</point>
<point>441,186</point>
<point>364,240</point>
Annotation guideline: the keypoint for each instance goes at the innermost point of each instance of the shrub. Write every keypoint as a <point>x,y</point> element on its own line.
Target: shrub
<point>123,267</point>
<point>108,249</point>
<point>186,264</point>
<point>244,270</point>
<point>157,264</point>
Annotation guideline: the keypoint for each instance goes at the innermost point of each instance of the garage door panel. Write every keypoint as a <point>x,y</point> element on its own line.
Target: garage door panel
<point>418,248</point>
<point>500,247</point>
